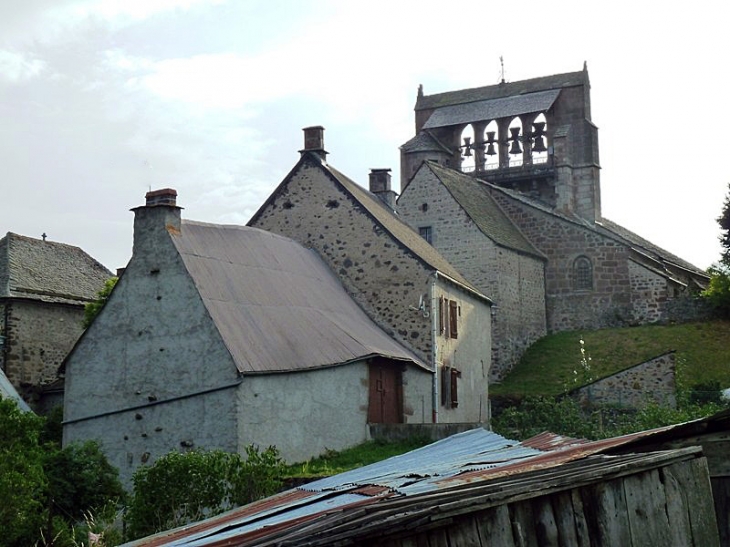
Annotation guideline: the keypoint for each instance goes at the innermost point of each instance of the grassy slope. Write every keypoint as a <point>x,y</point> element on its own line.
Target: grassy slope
<point>703,352</point>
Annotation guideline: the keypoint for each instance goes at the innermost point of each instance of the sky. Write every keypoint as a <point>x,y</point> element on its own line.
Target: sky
<point>103,100</point>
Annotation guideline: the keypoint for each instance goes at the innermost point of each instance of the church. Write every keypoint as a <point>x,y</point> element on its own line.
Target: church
<point>504,181</point>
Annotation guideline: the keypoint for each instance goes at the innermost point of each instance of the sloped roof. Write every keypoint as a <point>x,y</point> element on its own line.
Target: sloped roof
<point>276,304</point>
<point>48,271</point>
<point>7,391</point>
<point>401,231</point>
<point>653,251</point>
<point>476,201</point>
<point>508,89</point>
<point>458,474</point>
<point>425,141</point>
<point>492,109</point>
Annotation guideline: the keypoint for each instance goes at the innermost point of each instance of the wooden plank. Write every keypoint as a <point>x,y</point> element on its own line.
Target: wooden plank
<point>581,525</point>
<point>677,509</point>
<point>564,518</point>
<point>495,528</point>
<point>523,527</point>
<point>645,503</point>
<point>695,483</point>
<point>545,528</point>
<point>437,538</point>
<point>464,532</point>
<point>607,514</point>
<point>721,495</point>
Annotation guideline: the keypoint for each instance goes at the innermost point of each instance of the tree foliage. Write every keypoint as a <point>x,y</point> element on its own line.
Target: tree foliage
<point>184,487</point>
<point>92,309</point>
<point>724,221</point>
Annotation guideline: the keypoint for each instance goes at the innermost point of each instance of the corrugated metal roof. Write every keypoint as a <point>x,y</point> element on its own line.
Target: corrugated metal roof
<point>276,304</point>
<point>48,271</point>
<point>492,109</point>
<point>476,467</point>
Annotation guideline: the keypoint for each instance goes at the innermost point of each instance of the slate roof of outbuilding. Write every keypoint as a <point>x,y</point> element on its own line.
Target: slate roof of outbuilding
<point>48,271</point>
<point>476,201</point>
<point>276,304</point>
<point>401,231</point>
<point>508,89</point>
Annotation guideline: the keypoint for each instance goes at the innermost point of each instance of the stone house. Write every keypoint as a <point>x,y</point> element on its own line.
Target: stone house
<point>401,282</point>
<point>515,168</point>
<point>218,337</point>
<point>44,286</point>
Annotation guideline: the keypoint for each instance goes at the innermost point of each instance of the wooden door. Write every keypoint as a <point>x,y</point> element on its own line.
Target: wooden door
<point>386,393</point>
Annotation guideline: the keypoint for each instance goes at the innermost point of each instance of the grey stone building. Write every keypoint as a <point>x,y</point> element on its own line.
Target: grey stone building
<point>223,336</point>
<point>44,286</point>
<point>401,282</point>
<point>504,181</point>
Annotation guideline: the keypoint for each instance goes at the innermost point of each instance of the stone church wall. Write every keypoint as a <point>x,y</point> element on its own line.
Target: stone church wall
<point>648,294</point>
<point>38,337</point>
<point>513,281</point>
<point>607,302</point>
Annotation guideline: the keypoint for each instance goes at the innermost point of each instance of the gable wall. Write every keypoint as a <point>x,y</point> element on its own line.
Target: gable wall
<point>512,280</point>
<point>648,294</point>
<point>39,335</point>
<point>146,358</point>
<point>383,278</point>
<point>609,302</point>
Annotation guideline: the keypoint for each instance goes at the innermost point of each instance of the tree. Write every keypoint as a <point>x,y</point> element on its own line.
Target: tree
<point>724,222</point>
<point>718,290</point>
<point>185,487</point>
<point>92,309</point>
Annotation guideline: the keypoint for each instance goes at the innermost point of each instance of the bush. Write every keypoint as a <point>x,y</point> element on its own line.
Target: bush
<point>185,487</point>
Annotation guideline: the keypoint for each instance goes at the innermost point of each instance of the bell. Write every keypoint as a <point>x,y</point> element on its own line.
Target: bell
<point>539,145</point>
<point>490,137</point>
<point>490,149</point>
<point>467,147</point>
<point>515,148</point>
<point>539,129</point>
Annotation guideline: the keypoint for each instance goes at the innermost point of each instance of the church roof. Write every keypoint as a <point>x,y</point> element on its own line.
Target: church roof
<point>401,231</point>
<point>48,271</point>
<point>276,304</point>
<point>507,89</point>
<point>475,199</point>
<point>424,142</point>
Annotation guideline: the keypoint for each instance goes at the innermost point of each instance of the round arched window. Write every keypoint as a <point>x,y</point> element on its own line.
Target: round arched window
<point>582,274</point>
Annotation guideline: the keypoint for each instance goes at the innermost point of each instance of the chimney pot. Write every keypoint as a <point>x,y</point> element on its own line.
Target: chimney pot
<point>166,196</point>
<point>380,186</point>
<point>314,141</point>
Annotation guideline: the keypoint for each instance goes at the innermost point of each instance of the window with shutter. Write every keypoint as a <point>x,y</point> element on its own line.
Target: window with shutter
<point>453,318</point>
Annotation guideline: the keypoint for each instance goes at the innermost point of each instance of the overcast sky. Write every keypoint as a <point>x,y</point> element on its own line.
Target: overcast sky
<point>101,100</point>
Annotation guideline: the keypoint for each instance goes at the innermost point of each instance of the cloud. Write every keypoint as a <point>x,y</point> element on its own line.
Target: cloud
<point>16,67</point>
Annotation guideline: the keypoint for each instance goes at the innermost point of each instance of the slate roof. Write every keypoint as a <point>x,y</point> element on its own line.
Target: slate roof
<point>508,89</point>
<point>476,201</point>
<point>7,391</point>
<point>401,231</point>
<point>276,304</point>
<point>425,141</point>
<point>492,109</point>
<point>48,271</point>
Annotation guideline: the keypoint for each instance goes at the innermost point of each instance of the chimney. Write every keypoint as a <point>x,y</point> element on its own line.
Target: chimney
<point>380,186</point>
<point>159,216</point>
<point>314,141</point>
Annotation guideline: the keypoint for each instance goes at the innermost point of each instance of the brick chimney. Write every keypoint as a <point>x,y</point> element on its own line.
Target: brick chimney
<point>380,186</point>
<point>158,216</point>
<point>314,141</point>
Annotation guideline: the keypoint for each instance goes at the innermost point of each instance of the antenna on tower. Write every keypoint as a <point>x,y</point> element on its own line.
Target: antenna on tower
<point>501,62</point>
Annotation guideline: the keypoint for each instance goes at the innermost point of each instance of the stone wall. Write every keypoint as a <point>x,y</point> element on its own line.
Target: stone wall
<point>513,281</point>
<point>383,277</point>
<point>608,302</point>
<point>652,381</point>
<point>648,294</point>
<point>38,336</point>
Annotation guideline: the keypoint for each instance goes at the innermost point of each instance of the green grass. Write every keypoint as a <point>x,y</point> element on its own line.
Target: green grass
<point>702,349</point>
<point>334,462</point>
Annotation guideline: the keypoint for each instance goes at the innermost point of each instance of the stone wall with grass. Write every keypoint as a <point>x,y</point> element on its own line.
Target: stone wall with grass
<point>652,381</point>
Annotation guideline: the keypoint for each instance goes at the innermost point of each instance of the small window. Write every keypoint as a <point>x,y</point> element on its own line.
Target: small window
<point>426,233</point>
<point>450,387</point>
<point>582,274</point>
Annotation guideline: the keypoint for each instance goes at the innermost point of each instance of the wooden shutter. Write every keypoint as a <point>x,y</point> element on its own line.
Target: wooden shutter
<point>453,318</point>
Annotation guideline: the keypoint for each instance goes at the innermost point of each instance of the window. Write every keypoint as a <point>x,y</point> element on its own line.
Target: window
<point>426,233</point>
<point>449,317</point>
<point>450,387</point>
<point>582,274</point>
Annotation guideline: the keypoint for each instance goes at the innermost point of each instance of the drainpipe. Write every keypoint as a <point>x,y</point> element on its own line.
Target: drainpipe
<point>434,349</point>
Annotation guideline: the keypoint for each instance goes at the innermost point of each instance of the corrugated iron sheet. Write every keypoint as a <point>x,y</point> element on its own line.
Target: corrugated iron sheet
<point>276,304</point>
<point>492,109</point>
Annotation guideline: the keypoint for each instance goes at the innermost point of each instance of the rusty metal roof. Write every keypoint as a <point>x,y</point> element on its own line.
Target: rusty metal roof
<point>421,480</point>
<point>276,304</point>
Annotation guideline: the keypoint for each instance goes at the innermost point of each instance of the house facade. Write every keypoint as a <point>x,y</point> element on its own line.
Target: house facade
<point>504,181</point>
<point>401,282</point>
<point>44,286</point>
<point>219,337</point>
